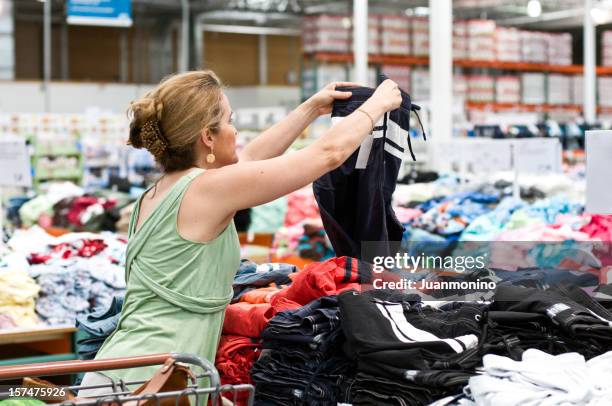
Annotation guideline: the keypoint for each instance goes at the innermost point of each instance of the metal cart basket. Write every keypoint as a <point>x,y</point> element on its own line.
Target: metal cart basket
<point>117,393</point>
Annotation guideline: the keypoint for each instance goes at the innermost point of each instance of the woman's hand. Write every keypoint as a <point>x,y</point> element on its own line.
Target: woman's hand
<point>323,100</point>
<point>387,95</point>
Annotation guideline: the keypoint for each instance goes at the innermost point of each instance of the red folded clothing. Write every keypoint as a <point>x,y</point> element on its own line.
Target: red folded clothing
<point>235,358</point>
<point>326,278</point>
<point>249,320</point>
<point>600,227</point>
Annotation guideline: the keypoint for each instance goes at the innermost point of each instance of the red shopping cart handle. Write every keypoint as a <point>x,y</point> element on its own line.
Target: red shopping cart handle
<point>76,366</point>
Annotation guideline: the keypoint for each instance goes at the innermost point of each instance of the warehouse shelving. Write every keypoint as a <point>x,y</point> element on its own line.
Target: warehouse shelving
<point>332,57</point>
<point>544,108</point>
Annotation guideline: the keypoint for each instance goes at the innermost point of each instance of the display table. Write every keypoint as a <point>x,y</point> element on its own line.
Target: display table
<point>46,343</point>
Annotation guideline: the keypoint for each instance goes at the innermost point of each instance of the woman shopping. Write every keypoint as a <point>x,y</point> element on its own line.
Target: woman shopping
<point>183,249</point>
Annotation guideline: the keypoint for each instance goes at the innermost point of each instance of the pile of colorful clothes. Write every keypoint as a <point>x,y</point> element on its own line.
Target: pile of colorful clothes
<point>18,293</point>
<point>69,275</point>
<point>296,224</point>
<point>262,292</point>
<point>326,339</point>
<point>67,206</point>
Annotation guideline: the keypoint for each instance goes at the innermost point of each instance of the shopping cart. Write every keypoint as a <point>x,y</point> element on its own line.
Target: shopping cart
<point>118,393</point>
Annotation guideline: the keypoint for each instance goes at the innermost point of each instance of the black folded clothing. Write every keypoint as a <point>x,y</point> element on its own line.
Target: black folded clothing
<point>557,320</point>
<point>310,324</point>
<point>303,362</point>
<point>409,337</point>
<point>375,390</point>
<point>584,320</point>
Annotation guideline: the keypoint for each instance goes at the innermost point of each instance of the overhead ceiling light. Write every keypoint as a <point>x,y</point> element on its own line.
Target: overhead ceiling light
<point>421,11</point>
<point>534,8</point>
<point>346,22</point>
<point>409,12</point>
<point>600,15</point>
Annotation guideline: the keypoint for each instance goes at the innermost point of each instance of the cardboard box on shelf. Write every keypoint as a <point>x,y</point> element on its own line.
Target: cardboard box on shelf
<point>374,35</point>
<point>395,34</point>
<point>607,48</point>
<point>460,40</point>
<point>325,33</point>
<point>481,40</point>
<point>560,48</point>
<point>508,89</point>
<point>559,89</point>
<point>577,89</point>
<point>420,84</point>
<point>533,88</point>
<point>507,44</point>
<point>534,46</point>
<point>460,86</point>
<point>604,88</point>
<point>420,36</point>
<point>481,88</point>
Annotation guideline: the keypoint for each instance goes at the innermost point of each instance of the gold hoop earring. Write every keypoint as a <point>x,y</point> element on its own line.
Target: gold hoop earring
<point>210,158</point>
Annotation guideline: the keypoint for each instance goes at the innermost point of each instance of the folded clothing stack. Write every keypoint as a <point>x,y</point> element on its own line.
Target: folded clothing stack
<point>540,378</point>
<point>302,361</point>
<point>558,320</point>
<point>407,352</point>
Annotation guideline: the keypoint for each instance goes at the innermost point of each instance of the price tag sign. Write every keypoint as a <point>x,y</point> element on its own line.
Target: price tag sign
<point>538,155</point>
<point>474,155</point>
<point>15,167</point>
<point>599,168</point>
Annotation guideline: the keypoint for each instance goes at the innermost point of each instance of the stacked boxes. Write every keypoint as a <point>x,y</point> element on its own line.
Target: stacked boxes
<point>577,89</point>
<point>399,74</point>
<point>460,86</point>
<point>604,88</point>
<point>480,40</point>
<point>507,44</point>
<point>460,40</point>
<point>508,89</point>
<point>607,48</point>
<point>559,89</point>
<point>395,35</point>
<point>560,49</point>
<point>325,33</point>
<point>534,46</point>
<point>533,88</point>
<point>373,35</point>
<point>481,45</point>
<point>420,84</point>
<point>481,88</point>
<point>420,36</point>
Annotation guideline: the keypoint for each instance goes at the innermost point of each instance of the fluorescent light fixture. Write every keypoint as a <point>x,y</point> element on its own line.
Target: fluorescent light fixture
<point>534,8</point>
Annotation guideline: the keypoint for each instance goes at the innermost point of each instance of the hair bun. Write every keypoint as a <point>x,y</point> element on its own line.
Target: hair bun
<point>153,139</point>
<point>145,131</point>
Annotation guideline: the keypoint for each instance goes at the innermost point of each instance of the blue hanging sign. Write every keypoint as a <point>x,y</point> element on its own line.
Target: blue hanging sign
<point>113,13</point>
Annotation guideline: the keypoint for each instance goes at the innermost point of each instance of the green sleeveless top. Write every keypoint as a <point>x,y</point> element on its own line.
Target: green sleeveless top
<point>177,290</point>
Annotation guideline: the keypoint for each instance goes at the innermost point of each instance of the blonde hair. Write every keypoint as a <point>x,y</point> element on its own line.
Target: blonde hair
<point>168,120</point>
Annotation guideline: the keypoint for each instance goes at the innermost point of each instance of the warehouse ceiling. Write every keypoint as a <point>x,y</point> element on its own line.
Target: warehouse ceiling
<point>555,14</point>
